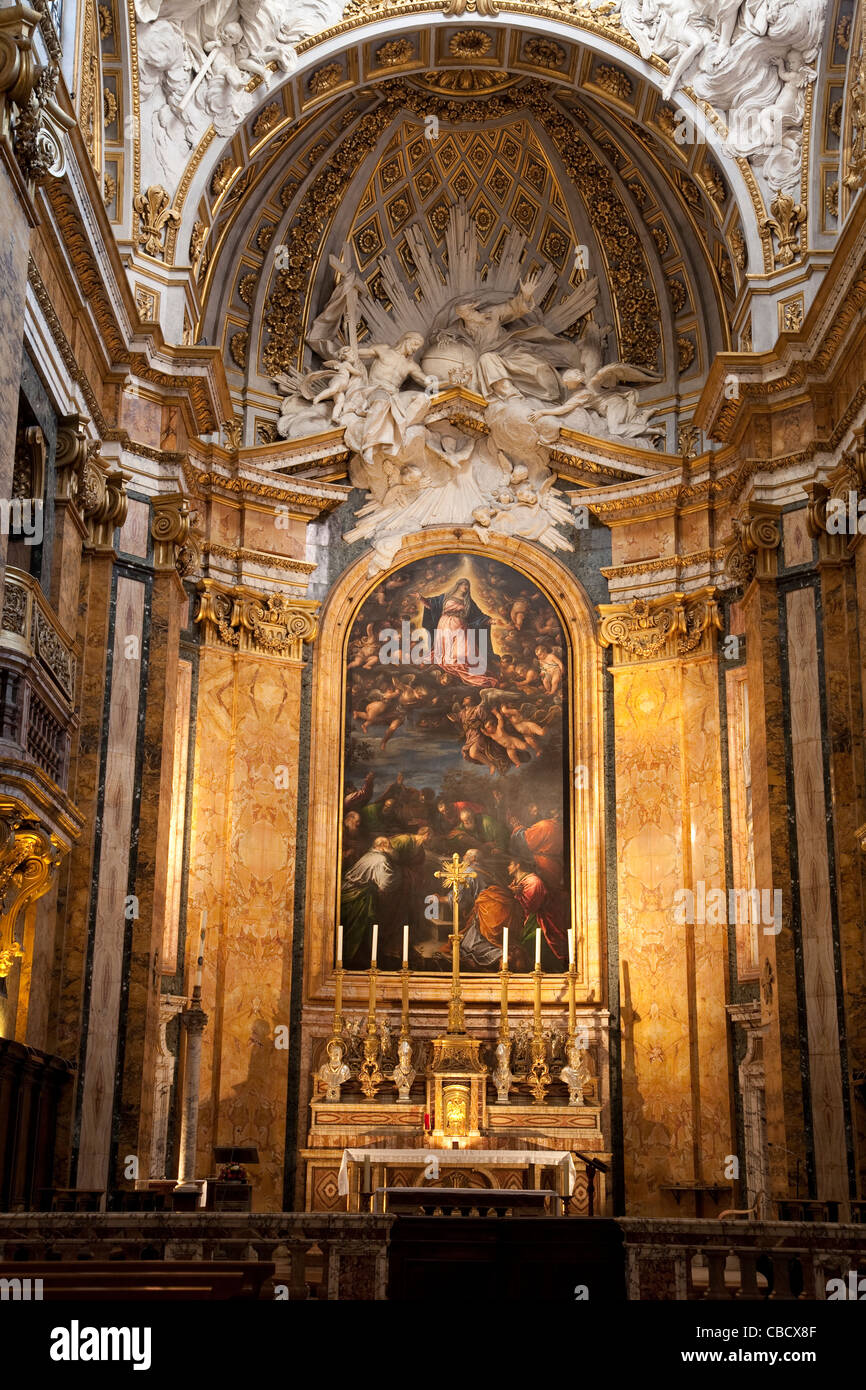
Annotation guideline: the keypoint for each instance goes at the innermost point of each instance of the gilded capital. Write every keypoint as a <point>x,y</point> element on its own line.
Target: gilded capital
<point>667,628</point>
<point>175,547</point>
<point>754,543</point>
<point>246,620</point>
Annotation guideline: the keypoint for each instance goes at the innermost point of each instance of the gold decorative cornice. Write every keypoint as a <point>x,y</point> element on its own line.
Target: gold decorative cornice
<point>175,546</point>
<point>64,347</point>
<point>663,563</point>
<point>668,628</point>
<point>248,621</point>
<point>752,550</point>
<point>29,856</point>
<point>261,557</point>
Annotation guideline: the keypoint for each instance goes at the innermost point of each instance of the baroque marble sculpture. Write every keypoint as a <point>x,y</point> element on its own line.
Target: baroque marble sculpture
<point>197,59</point>
<point>417,467</point>
<point>752,60</point>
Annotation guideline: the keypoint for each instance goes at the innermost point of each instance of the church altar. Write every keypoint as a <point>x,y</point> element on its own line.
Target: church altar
<point>496,1111</point>
<point>457,1158</point>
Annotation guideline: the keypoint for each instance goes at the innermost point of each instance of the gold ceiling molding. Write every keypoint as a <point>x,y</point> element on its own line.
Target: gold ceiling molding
<point>244,621</point>
<point>668,628</point>
<point>196,388</point>
<point>581,16</point>
<point>633,294</point>
<point>679,493</point>
<point>89,272</point>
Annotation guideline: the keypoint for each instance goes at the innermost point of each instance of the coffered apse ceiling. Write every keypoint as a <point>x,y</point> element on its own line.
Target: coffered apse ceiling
<point>554,123</point>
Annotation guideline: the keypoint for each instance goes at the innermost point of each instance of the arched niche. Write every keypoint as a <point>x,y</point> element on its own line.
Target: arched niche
<point>583,747</point>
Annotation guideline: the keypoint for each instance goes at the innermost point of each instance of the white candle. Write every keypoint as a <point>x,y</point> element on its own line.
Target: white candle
<point>538,945</point>
<point>504,948</point>
<point>406,943</point>
<point>571,946</point>
<point>375,944</point>
<point>340,943</point>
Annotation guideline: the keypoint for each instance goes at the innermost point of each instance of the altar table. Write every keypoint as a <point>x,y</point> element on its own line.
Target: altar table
<point>458,1158</point>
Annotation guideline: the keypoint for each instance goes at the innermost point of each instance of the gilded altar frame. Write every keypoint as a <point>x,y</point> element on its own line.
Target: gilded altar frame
<point>586,818</point>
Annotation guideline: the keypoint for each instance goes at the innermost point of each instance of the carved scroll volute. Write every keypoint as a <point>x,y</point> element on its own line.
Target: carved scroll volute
<point>105,502</point>
<point>175,545</point>
<point>17,66</point>
<point>753,549</point>
<point>70,458</point>
<point>29,856</point>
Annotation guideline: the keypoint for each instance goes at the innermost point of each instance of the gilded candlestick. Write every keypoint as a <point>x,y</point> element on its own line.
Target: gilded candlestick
<point>404,1017</point>
<point>338,999</point>
<point>539,1074</point>
<point>370,1075</point>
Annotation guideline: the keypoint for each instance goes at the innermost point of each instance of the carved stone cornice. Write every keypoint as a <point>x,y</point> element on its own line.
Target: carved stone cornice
<point>29,856</point>
<point>248,621</point>
<point>669,628</point>
<point>752,551</point>
<point>32,124</point>
<point>93,488</point>
<point>175,546</point>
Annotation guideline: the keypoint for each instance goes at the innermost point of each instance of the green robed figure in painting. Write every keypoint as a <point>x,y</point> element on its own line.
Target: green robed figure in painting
<point>378,889</point>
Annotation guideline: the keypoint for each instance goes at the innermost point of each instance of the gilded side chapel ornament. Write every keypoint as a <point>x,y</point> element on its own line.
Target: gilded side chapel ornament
<point>856,153</point>
<point>156,215</point>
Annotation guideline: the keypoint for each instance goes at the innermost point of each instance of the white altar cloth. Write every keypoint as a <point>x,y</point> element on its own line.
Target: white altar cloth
<point>456,1158</point>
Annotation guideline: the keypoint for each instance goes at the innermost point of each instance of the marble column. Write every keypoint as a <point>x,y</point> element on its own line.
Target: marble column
<point>753,562</point>
<point>72,985</point>
<point>166,613</point>
<point>669,834</point>
<point>170,1006</point>
<point>753,1094</point>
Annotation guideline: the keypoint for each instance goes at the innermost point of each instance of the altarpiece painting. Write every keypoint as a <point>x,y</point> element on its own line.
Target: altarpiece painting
<point>455,729</point>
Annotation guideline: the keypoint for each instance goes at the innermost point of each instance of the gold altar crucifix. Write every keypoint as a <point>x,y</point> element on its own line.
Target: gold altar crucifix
<point>453,876</point>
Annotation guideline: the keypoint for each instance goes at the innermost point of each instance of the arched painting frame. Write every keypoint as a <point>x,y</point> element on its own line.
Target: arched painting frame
<point>582,738</point>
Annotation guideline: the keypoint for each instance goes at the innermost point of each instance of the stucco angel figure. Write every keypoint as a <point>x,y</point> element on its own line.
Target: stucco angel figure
<point>299,415</point>
<point>575,1075</point>
<point>334,1073</point>
<point>404,1073</point>
<point>619,409</point>
<point>346,386</point>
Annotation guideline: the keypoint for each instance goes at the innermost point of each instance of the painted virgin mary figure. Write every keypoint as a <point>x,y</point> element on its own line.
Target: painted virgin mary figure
<point>459,634</point>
